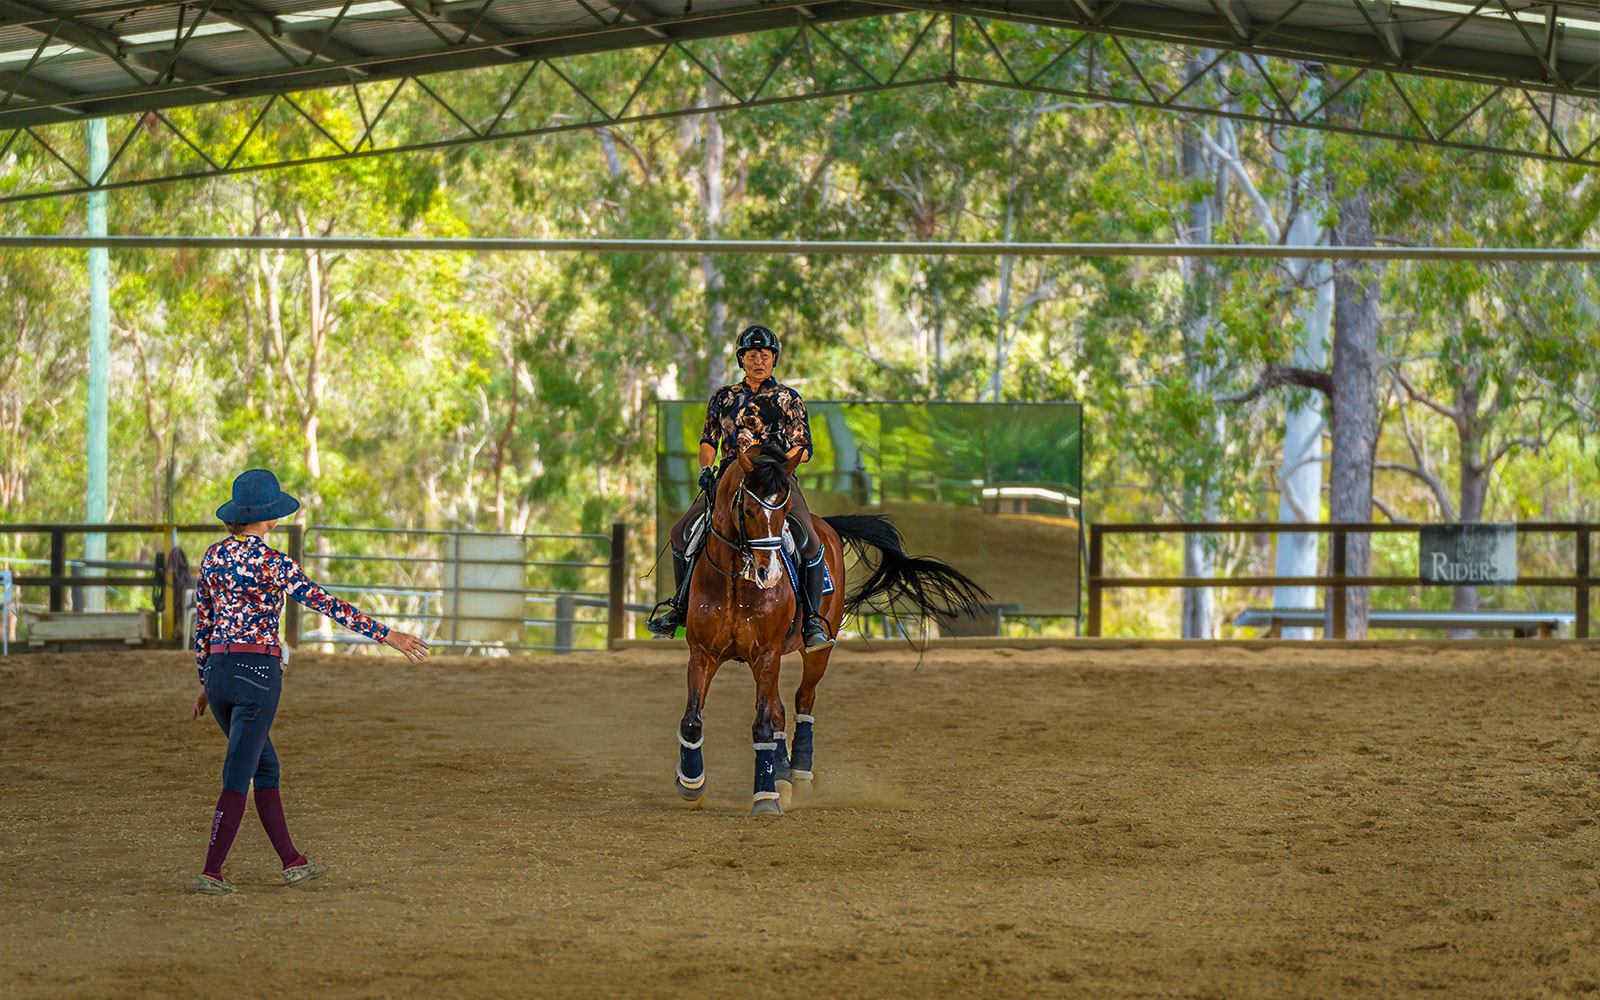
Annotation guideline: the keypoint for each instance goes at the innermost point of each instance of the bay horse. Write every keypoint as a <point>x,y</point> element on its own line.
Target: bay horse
<point>742,606</point>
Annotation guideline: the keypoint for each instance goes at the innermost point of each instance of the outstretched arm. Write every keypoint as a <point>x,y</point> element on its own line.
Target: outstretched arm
<point>298,586</point>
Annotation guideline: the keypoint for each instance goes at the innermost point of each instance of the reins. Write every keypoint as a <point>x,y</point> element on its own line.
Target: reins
<point>745,546</point>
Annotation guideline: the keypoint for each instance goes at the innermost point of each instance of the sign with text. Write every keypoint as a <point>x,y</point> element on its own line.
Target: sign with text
<point>1463,554</point>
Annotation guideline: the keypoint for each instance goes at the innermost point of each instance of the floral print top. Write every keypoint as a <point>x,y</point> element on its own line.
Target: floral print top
<point>736,418</point>
<point>239,597</point>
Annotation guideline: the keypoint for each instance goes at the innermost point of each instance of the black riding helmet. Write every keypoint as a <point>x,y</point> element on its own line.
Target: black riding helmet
<point>755,337</point>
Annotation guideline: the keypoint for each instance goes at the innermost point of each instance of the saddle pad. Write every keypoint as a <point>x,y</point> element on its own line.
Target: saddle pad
<point>697,532</point>
<point>794,576</point>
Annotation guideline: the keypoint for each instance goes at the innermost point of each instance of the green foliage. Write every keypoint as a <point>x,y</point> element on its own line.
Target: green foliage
<point>453,390</point>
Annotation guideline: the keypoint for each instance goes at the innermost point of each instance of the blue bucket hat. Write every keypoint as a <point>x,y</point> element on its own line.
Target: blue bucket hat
<point>257,497</point>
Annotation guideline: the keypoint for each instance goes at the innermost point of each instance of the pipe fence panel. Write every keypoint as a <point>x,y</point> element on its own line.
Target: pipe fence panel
<point>463,591</point>
<point>471,591</point>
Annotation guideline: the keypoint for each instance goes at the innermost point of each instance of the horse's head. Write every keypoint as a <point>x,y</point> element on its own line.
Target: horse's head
<point>758,500</point>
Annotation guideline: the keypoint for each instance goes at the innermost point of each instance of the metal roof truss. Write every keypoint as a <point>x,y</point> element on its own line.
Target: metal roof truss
<point>225,86</point>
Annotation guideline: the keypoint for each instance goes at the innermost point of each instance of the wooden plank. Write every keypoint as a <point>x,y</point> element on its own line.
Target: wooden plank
<point>38,528</point>
<point>1299,528</point>
<point>1340,595</point>
<point>1223,582</point>
<point>1582,585</point>
<point>1096,587</point>
<point>881,645</point>
<point>1410,618</point>
<point>617,578</point>
<point>69,627</point>
<point>1247,582</point>
<point>58,570</point>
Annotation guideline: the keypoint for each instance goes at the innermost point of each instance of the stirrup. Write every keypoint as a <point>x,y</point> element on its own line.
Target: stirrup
<point>821,625</point>
<point>666,624</point>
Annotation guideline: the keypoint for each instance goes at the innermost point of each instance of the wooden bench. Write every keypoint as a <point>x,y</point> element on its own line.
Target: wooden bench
<point>1523,624</point>
<point>132,628</point>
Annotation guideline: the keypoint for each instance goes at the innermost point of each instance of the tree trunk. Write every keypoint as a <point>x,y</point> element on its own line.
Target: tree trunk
<point>1474,483</point>
<point>1199,603</point>
<point>1008,265</point>
<point>609,146</point>
<point>1355,399</point>
<point>503,444</point>
<point>1300,474</point>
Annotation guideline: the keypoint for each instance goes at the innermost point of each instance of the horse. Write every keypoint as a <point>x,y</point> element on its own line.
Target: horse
<point>742,606</point>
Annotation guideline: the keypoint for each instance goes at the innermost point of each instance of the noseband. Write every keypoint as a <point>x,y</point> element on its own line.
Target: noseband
<point>744,545</point>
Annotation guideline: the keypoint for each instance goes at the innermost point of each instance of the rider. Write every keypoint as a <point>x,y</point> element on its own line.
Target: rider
<point>752,411</point>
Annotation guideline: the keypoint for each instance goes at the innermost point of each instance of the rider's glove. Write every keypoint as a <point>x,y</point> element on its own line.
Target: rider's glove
<point>708,479</point>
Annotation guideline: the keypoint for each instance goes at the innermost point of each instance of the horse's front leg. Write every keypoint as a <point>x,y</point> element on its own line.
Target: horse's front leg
<point>769,721</point>
<point>814,664</point>
<point>691,778</point>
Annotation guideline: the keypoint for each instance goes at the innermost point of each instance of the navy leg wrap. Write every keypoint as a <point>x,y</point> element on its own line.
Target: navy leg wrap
<point>800,752</point>
<point>691,764</point>
<point>781,756</point>
<point>766,771</point>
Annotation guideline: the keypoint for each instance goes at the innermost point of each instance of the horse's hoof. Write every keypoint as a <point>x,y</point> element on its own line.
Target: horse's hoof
<point>785,794</point>
<point>766,807</point>
<point>694,791</point>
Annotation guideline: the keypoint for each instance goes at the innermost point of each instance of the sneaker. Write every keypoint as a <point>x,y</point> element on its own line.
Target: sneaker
<point>213,885</point>
<point>303,872</point>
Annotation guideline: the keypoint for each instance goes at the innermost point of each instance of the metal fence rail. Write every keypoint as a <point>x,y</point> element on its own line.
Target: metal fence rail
<point>434,607</point>
<point>1336,580</point>
<point>557,608</point>
<point>155,575</point>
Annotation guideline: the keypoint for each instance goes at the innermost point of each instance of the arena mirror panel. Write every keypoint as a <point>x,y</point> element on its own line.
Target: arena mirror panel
<point>995,488</point>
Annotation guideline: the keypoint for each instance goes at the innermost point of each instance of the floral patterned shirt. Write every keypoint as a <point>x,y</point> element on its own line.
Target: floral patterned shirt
<point>737,418</point>
<point>240,597</point>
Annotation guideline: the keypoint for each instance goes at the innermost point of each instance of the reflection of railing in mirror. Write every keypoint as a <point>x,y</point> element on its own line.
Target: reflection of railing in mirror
<point>1017,498</point>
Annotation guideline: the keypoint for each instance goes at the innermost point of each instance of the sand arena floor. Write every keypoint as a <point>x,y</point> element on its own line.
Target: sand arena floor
<point>1228,823</point>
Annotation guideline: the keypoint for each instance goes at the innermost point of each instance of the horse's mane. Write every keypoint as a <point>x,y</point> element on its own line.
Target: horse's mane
<point>768,478</point>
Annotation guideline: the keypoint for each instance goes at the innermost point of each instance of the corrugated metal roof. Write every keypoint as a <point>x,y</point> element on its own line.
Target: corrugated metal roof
<point>107,57</point>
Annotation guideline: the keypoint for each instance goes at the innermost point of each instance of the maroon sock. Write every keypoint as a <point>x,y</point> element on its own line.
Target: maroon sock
<point>269,806</point>
<point>224,825</point>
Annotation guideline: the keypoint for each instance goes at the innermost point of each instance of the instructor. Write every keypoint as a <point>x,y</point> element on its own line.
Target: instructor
<point>238,601</point>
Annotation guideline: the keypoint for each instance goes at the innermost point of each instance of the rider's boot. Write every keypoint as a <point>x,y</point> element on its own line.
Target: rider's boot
<point>670,620</point>
<point>814,633</point>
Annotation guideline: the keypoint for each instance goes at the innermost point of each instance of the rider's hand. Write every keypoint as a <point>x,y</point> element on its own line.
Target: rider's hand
<point>708,479</point>
<point>200,704</point>
<point>408,644</point>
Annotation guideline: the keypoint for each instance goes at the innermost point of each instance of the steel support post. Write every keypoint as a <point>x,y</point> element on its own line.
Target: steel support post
<point>95,506</point>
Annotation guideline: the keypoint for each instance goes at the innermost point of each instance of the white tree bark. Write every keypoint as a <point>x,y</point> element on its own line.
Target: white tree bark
<point>1300,473</point>
<point>1300,470</point>
<point>1197,159</point>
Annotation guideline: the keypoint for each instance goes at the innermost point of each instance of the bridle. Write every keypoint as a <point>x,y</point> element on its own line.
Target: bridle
<point>745,546</point>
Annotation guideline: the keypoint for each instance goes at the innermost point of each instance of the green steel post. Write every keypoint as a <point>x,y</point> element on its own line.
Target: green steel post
<point>95,507</point>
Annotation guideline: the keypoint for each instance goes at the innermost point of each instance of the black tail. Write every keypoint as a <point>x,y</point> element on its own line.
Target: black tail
<point>930,586</point>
